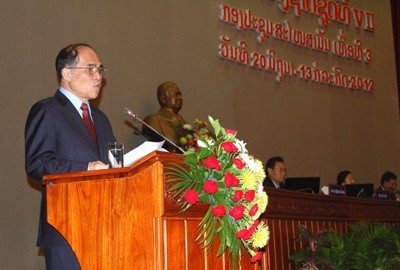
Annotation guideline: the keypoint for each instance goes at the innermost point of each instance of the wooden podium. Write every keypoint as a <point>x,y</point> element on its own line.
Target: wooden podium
<point>119,219</point>
<point>123,218</point>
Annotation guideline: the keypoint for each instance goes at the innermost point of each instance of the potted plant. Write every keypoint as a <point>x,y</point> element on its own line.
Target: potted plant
<point>367,246</point>
<point>310,257</point>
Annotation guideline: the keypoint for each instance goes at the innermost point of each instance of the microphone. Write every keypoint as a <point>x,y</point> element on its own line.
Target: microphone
<point>138,120</point>
<point>361,193</point>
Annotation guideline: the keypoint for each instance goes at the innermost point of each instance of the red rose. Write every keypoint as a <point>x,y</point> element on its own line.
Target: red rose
<point>219,210</point>
<point>254,226</point>
<point>229,147</point>
<point>238,195</point>
<point>237,212</point>
<point>191,196</point>
<point>256,257</point>
<point>244,234</point>
<point>238,162</point>
<point>212,163</point>
<point>253,210</point>
<point>230,180</point>
<point>249,195</point>
<point>210,186</point>
<point>230,131</point>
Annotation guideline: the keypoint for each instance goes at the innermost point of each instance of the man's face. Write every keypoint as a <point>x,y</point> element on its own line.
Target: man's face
<point>79,81</point>
<point>278,173</point>
<point>390,186</point>
<point>173,98</point>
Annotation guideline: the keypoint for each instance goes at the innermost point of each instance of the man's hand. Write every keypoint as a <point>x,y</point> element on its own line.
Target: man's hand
<point>97,165</point>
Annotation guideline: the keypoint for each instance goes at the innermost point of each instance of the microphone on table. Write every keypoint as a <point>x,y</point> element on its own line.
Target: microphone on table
<point>138,120</point>
<point>361,193</point>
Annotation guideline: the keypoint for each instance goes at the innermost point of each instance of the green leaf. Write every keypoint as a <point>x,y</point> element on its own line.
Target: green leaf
<point>220,198</point>
<point>216,125</point>
<point>198,175</point>
<point>191,160</point>
<point>205,198</point>
<point>218,175</point>
<point>204,152</point>
<point>177,170</point>
<point>208,229</point>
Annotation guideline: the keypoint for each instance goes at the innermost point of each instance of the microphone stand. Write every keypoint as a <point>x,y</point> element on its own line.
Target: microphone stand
<point>140,121</point>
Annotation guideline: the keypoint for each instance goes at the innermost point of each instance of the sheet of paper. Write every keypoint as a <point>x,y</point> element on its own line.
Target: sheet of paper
<point>141,151</point>
<point>112,159</point>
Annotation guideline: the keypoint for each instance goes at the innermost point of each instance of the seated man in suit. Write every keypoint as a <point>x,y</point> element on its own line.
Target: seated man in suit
<point>64,133</point>
<point>276,172</point>
<point>389,184</point>
<point>166,120</point>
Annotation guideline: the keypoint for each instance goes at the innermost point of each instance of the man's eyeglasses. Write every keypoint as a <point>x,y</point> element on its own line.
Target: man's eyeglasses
<point>92,69</point>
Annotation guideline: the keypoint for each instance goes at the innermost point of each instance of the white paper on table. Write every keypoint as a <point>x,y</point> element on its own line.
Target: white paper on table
<point>325,190</point>
<point>141,151</point>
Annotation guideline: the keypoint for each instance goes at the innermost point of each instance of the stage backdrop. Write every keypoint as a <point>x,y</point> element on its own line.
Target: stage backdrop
<point>313,83</point>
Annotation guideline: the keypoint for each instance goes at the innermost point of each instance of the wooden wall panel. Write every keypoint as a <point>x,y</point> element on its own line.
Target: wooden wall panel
<point>194,262</point>
<point>182,251</point>
<point>175,244</point>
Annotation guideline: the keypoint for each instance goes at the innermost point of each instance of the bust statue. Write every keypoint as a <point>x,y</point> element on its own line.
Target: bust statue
<point>166,120</point>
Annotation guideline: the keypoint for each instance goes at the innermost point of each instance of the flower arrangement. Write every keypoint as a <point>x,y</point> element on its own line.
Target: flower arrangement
<point>188,135</point>
<point>224,175</point>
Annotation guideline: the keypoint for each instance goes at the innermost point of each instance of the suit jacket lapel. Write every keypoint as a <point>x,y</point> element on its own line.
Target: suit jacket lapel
<point>72,115</point>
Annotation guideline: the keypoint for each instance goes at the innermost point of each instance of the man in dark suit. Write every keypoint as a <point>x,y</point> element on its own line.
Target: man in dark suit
<point>276,172</point>
<point>388,186</point>
<point>57,140</point>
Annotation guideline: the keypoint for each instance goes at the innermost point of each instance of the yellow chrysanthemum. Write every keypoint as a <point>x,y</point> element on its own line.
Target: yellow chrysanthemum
<point>260,173</point>
<point>260,237</point>
<point>262,202</point>
<point>249,179</point>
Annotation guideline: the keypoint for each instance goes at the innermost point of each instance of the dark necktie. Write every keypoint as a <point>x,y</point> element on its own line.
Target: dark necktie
<point>88,121</point>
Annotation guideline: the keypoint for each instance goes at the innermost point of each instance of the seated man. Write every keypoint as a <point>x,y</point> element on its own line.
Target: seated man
<point>166,120</point>
<point>388,184</point>
<point>276,172</point>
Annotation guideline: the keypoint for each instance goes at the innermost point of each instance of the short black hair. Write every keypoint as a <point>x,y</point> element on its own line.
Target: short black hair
<point>271,162</point>
<point>68,56</point>
<point>341,177</point>
<point>387,176</point>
